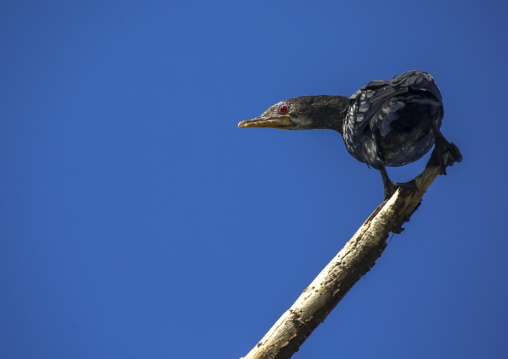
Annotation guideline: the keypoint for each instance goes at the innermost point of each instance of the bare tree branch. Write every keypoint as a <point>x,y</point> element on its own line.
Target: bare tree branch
<point>353,261</point>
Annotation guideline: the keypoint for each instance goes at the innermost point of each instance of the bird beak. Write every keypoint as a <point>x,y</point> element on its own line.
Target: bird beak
<point>279,121</point>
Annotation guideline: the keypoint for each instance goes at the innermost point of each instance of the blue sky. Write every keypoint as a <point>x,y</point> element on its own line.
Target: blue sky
<point>137,221</point>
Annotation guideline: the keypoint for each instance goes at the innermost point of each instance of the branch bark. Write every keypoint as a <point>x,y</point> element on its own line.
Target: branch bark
<point>353,261</point>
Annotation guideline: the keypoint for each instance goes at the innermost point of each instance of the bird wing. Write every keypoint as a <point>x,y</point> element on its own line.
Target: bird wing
<point>377,104</point>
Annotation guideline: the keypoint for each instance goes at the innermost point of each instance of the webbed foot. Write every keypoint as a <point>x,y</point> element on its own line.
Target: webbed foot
<point>391,187</point>
<point>442,147</point>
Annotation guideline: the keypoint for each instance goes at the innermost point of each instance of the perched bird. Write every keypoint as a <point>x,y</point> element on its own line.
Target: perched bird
<point>385,123</point>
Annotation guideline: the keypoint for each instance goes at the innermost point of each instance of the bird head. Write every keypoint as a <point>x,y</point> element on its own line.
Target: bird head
<point>302,113</point>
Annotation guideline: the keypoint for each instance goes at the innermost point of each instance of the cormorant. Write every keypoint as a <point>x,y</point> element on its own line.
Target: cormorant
<point>385,123</point>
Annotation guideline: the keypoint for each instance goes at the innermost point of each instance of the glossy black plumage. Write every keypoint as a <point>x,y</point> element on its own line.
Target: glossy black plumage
<point>388,123</point>
<point>385,123</point>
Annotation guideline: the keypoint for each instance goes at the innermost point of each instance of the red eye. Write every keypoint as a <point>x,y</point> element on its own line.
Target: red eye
<point>283,109</point>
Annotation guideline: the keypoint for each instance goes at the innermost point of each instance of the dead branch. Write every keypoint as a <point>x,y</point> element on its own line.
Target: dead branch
<point>353,261</point>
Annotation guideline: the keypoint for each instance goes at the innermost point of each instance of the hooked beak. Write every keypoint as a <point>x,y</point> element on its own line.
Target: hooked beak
<point>279,121</point>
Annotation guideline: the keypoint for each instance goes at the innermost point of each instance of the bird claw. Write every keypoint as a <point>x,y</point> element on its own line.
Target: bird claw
<point>445,154</point>
<point>392,187</point>
<point>454,151</point>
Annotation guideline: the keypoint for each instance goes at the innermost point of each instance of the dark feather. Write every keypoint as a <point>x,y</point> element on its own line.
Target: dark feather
<point>387,122</point>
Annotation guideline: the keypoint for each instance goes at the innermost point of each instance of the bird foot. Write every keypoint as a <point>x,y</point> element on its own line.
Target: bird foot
<point>445,154</point>
<point>391,187</point>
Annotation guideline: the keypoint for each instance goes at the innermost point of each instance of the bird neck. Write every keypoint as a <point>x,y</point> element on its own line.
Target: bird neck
<point>328,112</point>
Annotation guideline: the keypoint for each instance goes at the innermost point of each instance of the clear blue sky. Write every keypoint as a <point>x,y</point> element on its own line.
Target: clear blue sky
<point>137,221</point>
